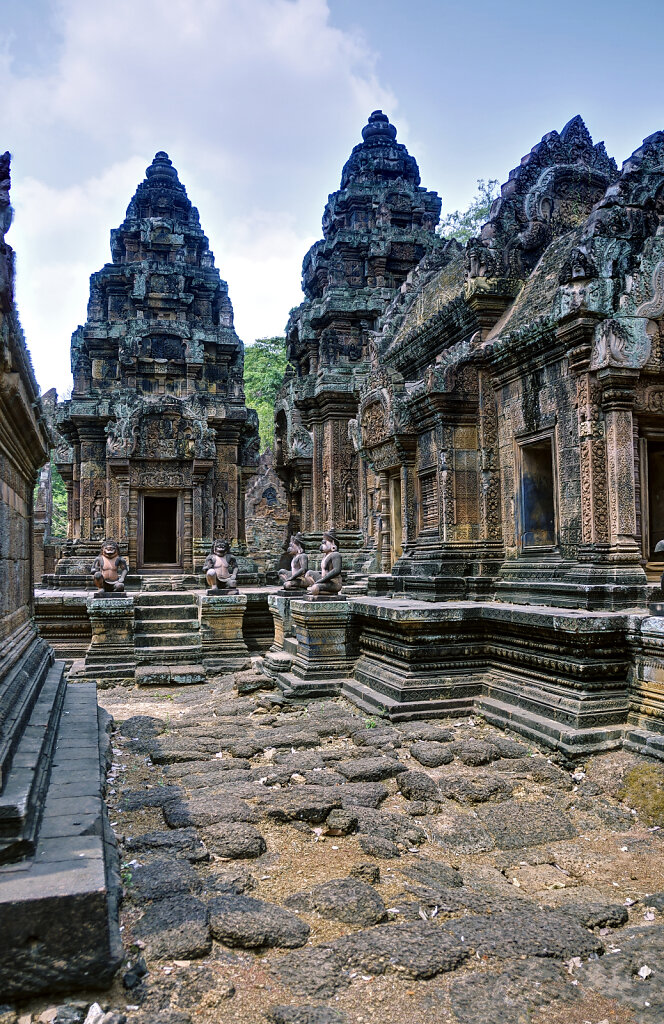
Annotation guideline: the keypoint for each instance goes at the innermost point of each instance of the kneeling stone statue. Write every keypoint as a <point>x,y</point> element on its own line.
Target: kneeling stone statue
<point>296,578</point>
<point>220,568</point>
<point>327,582</point>
<point>109,570</point>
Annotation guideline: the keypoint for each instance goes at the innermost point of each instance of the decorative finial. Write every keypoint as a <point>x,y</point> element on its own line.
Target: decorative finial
<point>379,127</point>
<point>161,167</point>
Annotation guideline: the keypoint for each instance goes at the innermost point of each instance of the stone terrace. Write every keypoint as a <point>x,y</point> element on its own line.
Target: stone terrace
<point>312,864</point>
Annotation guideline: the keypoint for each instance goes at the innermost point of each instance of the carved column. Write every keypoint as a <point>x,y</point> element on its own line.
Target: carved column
<point>617,384</point>
<point>408,522</point>
<point>385,522</point>
<point>490,518</point>
<point>93,478</point>
<point>317,479</point>
<point>592,462</point>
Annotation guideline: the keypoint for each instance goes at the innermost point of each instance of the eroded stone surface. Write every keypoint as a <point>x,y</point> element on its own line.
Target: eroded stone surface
<point>254,924</point>
<point>175,928</point>
<point>378,885</point>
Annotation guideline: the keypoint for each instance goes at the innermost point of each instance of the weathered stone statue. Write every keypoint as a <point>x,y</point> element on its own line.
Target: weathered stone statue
<point>350,505</point>
<point>659,547</point>
<point>295,579</point>
<point>109,570</point>
<point>328,581</point>
<point>220,568</point>
<point>98,516</point>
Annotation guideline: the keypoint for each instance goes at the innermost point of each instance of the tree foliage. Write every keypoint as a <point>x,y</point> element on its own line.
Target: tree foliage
<point>264,367</point>
<point>59,519</point>
<point>466,224</point>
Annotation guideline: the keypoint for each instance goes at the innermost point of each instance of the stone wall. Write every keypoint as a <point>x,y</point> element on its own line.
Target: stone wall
<point>58,895</point>
<point>267,519</point>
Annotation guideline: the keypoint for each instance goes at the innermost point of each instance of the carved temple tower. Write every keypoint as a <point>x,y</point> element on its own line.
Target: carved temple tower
<point>376,229</point>
<point>156,441</point>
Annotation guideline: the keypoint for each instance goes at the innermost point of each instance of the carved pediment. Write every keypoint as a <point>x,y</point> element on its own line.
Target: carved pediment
<point>374,426</point>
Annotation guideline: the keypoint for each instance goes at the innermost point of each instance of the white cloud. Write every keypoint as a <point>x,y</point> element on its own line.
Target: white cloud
<point>258,103</point>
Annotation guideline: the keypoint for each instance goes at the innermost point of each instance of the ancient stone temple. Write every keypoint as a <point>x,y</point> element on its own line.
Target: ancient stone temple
<point>377,227</point>
<point>508,443</point>
<point>470,412</point>
<point>58,880</point>
<point>156,441</point>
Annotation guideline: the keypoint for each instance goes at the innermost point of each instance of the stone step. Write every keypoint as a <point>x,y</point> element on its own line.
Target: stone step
<point>368,700</point>
<point>573,741</point>
<point>58,907</point>
<point>150,627</point>
<point>166,612</point>
<point>165,598</point>
<point>167,655</point>
<point>26,782</point>
<point>166,640</point>
<point>290,645</point>
<point>170,675</point>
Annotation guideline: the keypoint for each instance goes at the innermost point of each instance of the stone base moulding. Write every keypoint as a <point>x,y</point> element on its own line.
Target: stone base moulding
<point>59,907</point>
<point>111,655</point>
<point>222,642</point>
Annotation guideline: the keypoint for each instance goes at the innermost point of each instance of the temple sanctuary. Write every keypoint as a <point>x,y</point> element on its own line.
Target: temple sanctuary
<point>156,442</point>
<point>484,425</point>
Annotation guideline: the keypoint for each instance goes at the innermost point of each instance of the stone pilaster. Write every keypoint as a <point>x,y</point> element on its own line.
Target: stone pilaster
<point>617,400</point>
<point>222,642</point>
<point>110,658</point>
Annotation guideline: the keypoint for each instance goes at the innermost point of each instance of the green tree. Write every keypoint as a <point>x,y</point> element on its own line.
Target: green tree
<point>264,367</point>
<point>59,519</point>
<point>466,224</point>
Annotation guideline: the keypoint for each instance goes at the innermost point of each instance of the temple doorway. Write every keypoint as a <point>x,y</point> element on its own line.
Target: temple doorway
<point>395,519</point>
<point>655,497</point>
<point>160,530</point>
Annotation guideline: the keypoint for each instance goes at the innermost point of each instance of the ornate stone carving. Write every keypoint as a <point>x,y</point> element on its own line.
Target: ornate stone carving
<point>109,570</point>
<point>326,583</point>
<point>158,368</point>
<point>221,568</point>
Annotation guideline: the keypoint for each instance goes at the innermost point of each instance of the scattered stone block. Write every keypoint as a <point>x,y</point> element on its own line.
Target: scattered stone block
<point>254,924</point>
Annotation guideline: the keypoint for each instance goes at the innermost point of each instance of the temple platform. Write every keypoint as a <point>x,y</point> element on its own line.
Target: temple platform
<point>575,680</point>
<point>154,635</point>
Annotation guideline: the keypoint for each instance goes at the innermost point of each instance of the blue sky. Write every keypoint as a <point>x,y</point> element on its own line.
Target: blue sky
<point>259,104</point>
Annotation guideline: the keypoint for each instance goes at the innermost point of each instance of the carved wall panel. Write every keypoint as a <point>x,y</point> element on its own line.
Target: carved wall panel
<point>466,496</point>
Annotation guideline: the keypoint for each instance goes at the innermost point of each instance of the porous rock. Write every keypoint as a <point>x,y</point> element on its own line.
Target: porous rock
<point>255,924</point>
<point>175,928</point>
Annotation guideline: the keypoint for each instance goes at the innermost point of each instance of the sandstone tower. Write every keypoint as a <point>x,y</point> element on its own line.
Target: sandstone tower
<point>156,440</point>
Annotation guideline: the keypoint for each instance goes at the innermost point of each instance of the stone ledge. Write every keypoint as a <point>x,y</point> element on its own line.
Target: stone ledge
<point>58,909</point>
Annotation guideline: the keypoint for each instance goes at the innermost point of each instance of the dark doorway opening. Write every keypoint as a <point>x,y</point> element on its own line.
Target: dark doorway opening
<point>160,541</point>
<point>655,495</point>
<point>537,500</point>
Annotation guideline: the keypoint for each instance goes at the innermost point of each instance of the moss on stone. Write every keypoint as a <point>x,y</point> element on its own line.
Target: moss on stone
<point>643,789</point>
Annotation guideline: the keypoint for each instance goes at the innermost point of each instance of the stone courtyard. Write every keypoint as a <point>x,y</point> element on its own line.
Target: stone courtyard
<point>315,865</point>
<point>423,779</point>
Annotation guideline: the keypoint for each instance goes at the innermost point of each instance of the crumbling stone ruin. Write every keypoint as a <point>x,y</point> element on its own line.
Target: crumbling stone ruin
<point>267,519</point>
<point>59,883</point>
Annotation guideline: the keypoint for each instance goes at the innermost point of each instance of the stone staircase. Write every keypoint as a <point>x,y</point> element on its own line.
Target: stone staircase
<point>167,639</point>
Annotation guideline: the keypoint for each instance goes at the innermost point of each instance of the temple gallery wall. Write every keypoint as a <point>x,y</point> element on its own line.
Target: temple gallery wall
<point>462,512</point>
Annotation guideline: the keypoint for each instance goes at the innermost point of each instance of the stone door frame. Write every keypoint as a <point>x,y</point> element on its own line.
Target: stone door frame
<point>160,492</point>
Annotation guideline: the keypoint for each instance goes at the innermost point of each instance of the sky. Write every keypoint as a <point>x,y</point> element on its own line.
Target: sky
<point>259,103</point>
